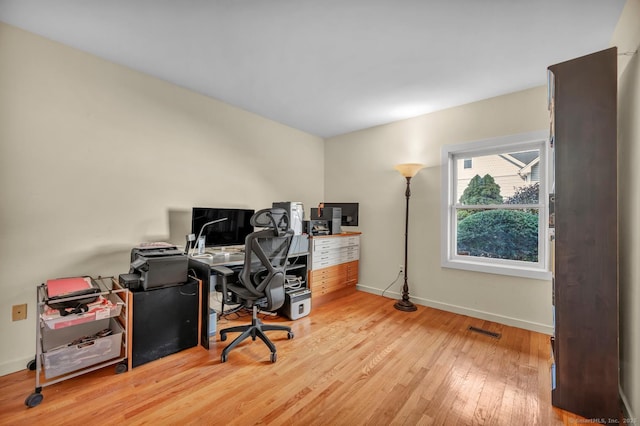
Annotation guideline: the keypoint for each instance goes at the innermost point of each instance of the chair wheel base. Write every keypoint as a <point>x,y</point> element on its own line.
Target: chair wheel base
<point>256,330</point>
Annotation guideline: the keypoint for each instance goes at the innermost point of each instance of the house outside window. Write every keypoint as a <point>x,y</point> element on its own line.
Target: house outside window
<point>495,213</point>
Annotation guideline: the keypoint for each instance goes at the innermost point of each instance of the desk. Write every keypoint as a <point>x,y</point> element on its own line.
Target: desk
<point>201,267</point>
<point>228,259</point>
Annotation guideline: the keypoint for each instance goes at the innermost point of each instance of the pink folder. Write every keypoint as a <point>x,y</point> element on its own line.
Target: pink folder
<point>69,286</point>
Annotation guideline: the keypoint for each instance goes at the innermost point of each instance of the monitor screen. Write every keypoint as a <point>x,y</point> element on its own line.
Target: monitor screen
<point>349,212</point>
<point>230,232</point>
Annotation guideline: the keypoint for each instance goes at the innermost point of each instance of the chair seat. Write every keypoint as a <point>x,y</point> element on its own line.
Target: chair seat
<point>244,293</point>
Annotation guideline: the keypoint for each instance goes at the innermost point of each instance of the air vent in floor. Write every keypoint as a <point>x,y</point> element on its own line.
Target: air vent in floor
<point>485,332</point>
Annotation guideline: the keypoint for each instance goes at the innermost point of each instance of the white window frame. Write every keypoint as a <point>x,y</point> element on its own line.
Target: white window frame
<point>451,153</point>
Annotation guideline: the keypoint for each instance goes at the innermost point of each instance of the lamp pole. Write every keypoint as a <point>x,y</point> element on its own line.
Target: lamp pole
<point>204,226</point>
<point>408,171</point>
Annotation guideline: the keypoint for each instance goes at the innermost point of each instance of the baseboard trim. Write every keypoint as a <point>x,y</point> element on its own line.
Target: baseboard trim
<point>626,406</point>
<point>501,319</point>
<point>14,366</point>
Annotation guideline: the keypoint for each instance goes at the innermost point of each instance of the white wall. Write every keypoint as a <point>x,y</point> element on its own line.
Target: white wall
<point>95,158</point>
<point>627,38</point>
<point>359,167</point>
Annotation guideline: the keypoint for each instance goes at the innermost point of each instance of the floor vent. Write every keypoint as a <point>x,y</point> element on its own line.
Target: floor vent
<point>485,332</point>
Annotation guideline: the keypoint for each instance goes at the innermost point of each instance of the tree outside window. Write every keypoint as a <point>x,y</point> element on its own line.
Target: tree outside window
<point>498,233</point>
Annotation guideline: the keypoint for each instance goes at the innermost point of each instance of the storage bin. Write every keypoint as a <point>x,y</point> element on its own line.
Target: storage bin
<point>54,339</point>
<point>101,309</point>
<point>66,358</point>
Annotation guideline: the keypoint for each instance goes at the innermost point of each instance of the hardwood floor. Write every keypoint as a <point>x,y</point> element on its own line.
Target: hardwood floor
<point>353,361</point>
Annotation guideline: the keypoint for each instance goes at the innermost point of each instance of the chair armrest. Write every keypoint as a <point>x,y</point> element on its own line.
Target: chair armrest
<point>223,272</point>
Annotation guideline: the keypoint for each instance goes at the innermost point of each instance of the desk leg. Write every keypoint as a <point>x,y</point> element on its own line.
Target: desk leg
<point>129,330</point>
<point>203,273</point>
<point>200,308</point>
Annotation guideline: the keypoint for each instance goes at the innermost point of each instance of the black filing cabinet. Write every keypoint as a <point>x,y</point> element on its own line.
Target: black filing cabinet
<point>165,321</point>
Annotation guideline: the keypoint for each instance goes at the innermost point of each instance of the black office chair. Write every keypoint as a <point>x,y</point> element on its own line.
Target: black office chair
<point>262,278</point>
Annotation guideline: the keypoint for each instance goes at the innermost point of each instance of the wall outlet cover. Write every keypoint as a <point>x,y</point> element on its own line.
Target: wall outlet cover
<point>19,312</point>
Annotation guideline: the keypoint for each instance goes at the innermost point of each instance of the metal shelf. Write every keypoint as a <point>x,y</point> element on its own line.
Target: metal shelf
<point>69,336</point>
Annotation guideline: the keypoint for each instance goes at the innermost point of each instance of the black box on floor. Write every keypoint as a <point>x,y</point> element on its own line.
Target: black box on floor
<point>165,321</point>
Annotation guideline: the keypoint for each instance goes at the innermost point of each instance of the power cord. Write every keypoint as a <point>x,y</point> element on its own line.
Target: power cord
<point>237,313</point>
<point>392,283</point>
<point>241,311</point>
<point>268,314</point>
<point>292,282</point>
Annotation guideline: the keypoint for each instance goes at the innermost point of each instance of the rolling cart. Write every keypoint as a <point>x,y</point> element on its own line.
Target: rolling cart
<point>69,345</point>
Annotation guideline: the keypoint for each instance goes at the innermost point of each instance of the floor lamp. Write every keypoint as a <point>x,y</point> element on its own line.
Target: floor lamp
<point>408,171</point>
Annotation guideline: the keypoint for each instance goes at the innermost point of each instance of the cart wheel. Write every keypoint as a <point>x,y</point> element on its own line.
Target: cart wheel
<point>31,365</point>
<point>121,368</point>
<point>223,358</point>
<point>33,400</point>
<point>274,357</point>
<point>290,335</point>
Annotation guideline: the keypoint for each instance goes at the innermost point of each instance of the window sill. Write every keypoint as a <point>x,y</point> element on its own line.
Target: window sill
<point>515,271</point>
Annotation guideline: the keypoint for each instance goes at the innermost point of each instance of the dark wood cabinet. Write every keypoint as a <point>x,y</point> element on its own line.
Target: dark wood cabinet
<point>584,116</point>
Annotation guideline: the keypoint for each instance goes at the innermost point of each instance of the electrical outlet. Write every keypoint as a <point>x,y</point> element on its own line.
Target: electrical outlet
<point>19,312</point>
<point>401,268</point>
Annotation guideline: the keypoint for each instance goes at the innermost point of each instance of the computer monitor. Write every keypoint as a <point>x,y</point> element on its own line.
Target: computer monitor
<point>349,212</point>
<point>231,232</point>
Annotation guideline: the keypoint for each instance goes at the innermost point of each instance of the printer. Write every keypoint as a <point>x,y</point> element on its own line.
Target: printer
<point>158,267</point>
<point>332,215</point>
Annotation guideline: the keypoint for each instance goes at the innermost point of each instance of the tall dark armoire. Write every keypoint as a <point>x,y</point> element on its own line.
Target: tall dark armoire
<point>584,136</point>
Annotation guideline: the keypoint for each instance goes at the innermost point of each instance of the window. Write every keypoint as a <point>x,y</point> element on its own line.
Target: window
<point>495,214</point>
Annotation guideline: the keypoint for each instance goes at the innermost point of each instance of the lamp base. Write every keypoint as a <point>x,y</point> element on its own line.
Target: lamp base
<point>405,305</point>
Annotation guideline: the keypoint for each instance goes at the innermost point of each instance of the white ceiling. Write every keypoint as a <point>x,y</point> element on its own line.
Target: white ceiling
<point>329,67</point>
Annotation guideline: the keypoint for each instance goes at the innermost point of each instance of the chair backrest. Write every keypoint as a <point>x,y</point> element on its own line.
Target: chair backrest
<point>266,254</point>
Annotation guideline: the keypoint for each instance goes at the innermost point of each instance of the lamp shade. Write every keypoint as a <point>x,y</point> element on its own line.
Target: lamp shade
<point>409,169</point>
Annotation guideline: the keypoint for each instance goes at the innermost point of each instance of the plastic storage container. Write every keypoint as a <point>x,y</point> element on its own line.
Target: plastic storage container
<point>82,352</point>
